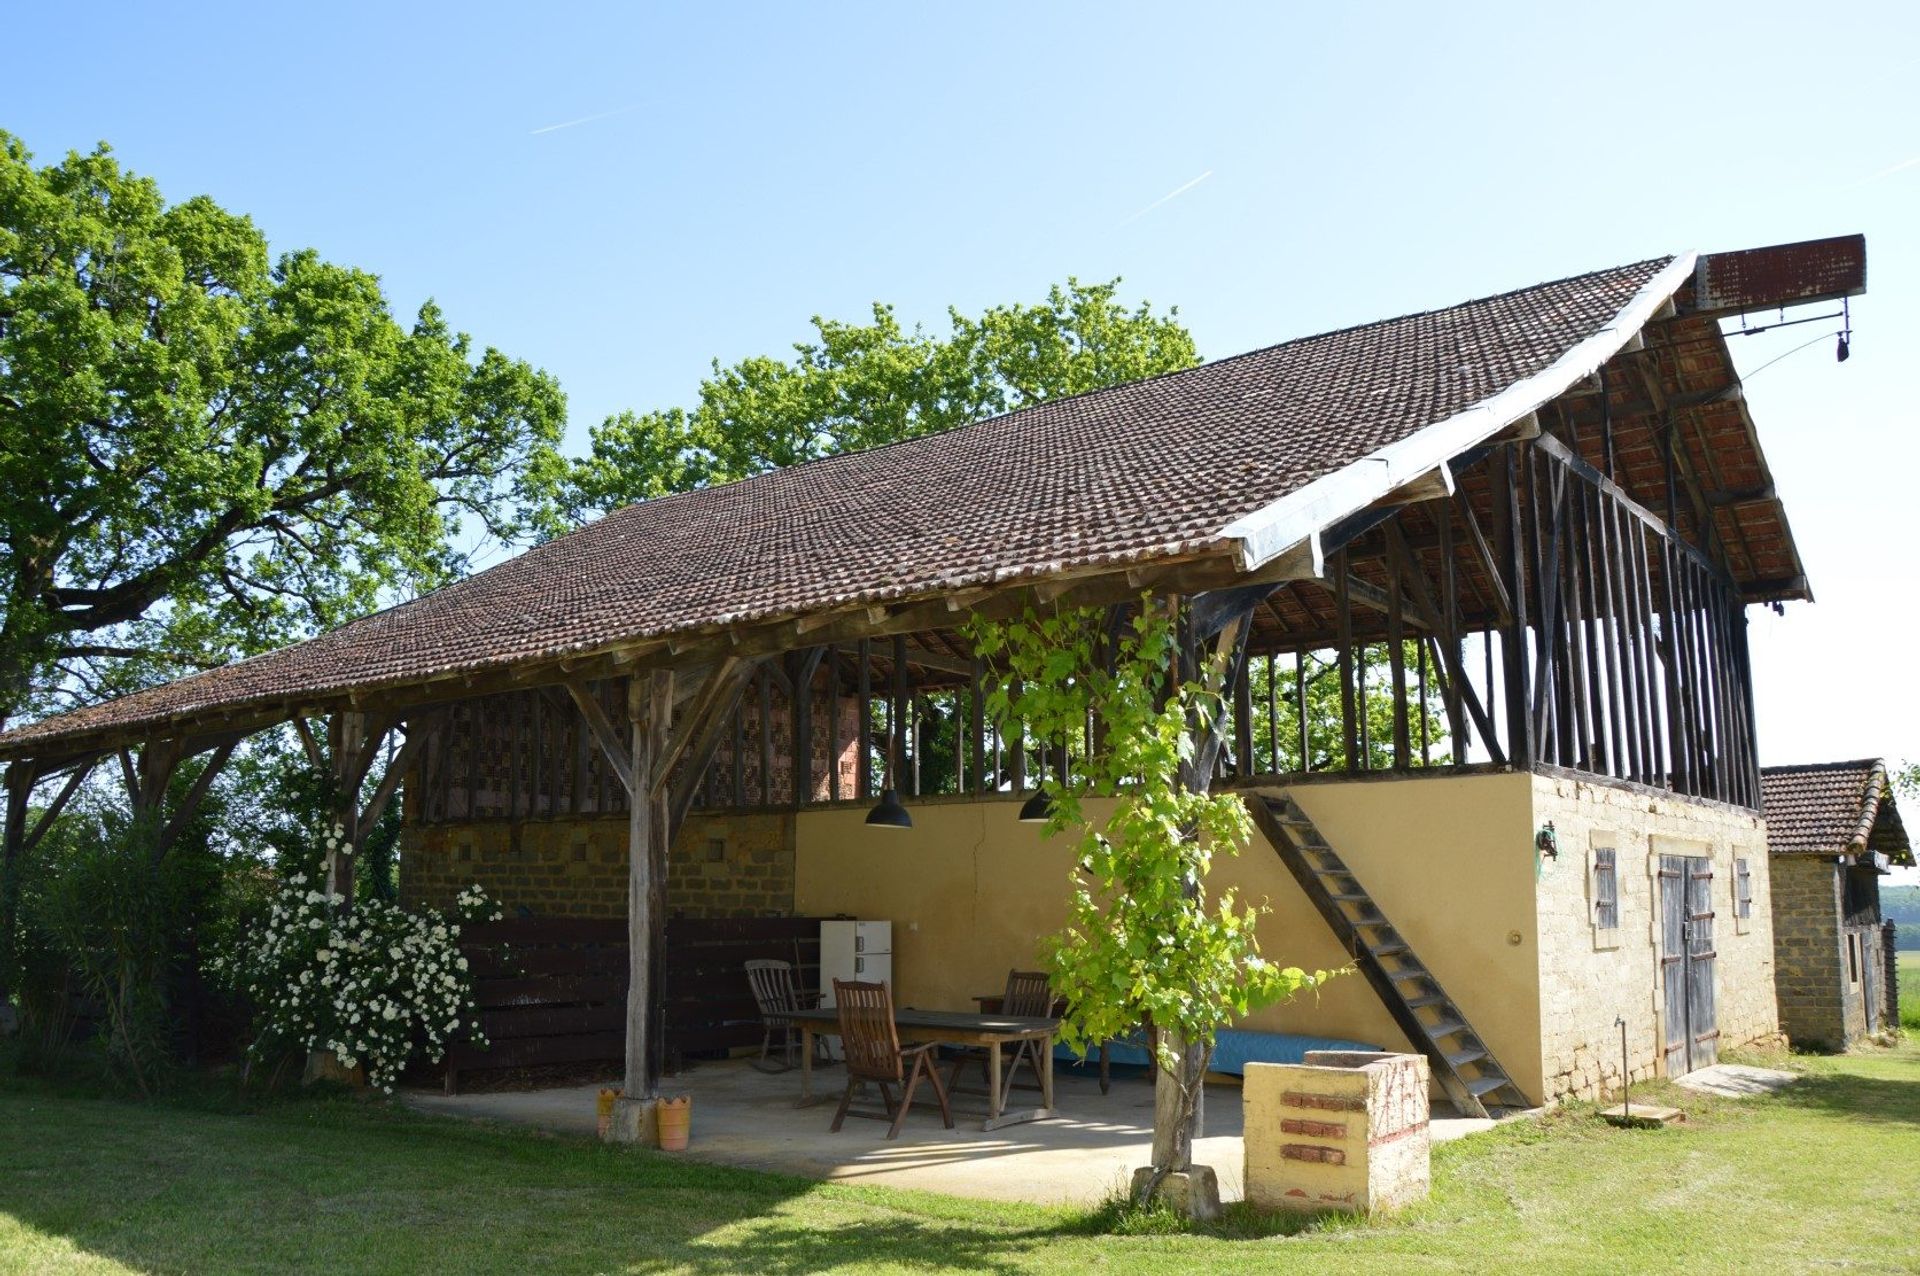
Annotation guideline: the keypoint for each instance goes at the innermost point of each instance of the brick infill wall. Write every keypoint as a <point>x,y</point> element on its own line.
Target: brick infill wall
<point>736,865</point>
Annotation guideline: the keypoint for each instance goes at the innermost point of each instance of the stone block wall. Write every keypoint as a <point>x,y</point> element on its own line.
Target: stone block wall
<point>735,865</point>
<point>1809,952</point>
<point>1589,974</point>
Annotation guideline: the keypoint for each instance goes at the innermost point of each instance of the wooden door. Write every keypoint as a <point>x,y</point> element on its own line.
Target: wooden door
<point>1692,1037</point>
<point>1703,1023</point>
<point>1869,981</point>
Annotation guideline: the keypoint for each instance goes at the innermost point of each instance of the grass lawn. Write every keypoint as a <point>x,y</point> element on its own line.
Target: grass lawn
<point>1909,968</point>
<point>1824,1175</point>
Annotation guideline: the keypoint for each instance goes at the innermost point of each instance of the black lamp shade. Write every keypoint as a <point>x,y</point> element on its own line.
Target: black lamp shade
<point>1037,809</point>
<point>887,813</point>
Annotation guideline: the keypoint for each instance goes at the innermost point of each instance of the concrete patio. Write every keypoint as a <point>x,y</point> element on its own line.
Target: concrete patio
<point>745,1118</point>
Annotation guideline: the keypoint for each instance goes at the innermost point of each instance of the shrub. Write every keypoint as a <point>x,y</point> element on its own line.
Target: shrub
<point>376,985</point>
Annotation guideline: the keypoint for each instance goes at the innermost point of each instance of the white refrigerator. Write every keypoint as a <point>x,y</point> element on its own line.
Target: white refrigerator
<point>854,950</point>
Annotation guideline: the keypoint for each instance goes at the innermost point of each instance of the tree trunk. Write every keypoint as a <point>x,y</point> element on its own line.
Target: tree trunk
<point>1179,1106</point>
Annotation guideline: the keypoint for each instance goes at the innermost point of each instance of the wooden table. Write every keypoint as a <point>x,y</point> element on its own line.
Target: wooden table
<point>957,1028</point>
<point>990,1003</point>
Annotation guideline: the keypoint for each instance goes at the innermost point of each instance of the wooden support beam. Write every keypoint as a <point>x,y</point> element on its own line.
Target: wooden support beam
<point>721,684</point>
<point>614,751</point>
<point>190,802</point>
<point>865,733</point>
<point>649,711</point>
<point>1489,563</point>
<point>1302,728</point>
<point>1343,607</point>
<point>897,716</point>
<point>700,755</point>
<point>13,847</point>
<point>419,731</point>
<point>1511,532</point>
<point>308,745</point>
<point>1397,663</point>
<point>1460,689</point>
<point>75,778</point>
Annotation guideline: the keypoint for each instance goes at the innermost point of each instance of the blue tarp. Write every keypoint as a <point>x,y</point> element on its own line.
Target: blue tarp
<point>1233,1050</point>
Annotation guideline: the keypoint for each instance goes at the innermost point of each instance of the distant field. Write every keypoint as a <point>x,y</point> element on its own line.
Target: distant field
<point>1909,966</point>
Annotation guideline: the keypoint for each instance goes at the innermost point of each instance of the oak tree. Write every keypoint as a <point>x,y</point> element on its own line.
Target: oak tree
<point>206,451</point>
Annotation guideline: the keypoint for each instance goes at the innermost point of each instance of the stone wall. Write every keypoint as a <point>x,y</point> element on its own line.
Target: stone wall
<point>1809,954</point>
<point>737,865</point>
<point>1589,975</point>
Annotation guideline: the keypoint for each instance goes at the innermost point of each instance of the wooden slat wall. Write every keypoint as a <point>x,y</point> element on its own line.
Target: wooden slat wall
<point>709,1005</point>
<point>553,990</point>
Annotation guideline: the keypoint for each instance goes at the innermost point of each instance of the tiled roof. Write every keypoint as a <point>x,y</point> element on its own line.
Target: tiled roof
<point>1832,808</point>
<point>1144,470</point>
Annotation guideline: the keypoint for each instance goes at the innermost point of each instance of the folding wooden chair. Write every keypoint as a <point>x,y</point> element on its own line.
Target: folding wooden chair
<point>871,1042</point>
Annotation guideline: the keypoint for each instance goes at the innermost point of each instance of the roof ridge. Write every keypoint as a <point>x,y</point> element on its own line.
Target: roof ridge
<point>1096,391</point>
<point>1790,767</point>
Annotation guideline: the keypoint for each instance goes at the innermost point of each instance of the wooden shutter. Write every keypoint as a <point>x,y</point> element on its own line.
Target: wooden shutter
<point>1742,889</point>
<point>1606,889</point>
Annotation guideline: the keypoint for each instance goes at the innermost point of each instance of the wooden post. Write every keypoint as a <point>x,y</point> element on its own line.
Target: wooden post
<point>1510,532</point>
<point>649,706</point>
<point>985,779</point>
<point>1300,708</point>
<point>1243,722</point>
<point>20,778</point>
<point>1397,664</point>
<point>1343,605</point>
<point>347,738</point>
<point>1273,718</point>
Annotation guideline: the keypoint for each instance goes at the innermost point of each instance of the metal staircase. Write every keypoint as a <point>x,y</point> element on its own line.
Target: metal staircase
<point>1462,1063</point>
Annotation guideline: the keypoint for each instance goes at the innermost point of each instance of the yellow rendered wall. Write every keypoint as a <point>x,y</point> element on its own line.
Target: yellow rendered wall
<point>1449,860</point>
<point>972,892</point>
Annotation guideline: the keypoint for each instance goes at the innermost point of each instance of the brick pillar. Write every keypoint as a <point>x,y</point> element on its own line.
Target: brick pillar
<point>1347,1130</point>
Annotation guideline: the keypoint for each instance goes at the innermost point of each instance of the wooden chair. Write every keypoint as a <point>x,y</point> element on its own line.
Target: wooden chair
<point>871,1042</point>
<point>1027,997</point>
<point>778,996</point>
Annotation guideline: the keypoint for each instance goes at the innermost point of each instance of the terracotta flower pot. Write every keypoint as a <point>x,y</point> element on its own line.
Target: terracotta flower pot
<point>675,1117</point>
<point>603,1110</point>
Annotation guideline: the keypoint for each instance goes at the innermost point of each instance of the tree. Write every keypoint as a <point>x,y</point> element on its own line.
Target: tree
<point>204,454</point>
<point>1146,942</point>
<point>864,385</point>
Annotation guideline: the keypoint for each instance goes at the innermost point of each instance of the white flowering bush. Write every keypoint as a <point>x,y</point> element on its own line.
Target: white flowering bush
<point>375,985</point>
<point>474,905</point>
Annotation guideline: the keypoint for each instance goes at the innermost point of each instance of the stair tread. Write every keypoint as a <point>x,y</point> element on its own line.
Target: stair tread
<point>1457,1058</point>
<point>1487,1084</point>
<point>1446,1028</point>
<point>1431,999</point>
<point>1390,949</point>
<point>1409,972</point>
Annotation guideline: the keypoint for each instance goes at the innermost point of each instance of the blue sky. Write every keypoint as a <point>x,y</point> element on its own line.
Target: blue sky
<point>620,194</point>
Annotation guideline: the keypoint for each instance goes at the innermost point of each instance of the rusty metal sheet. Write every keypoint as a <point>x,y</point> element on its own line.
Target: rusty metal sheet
<point>1781,275</point>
